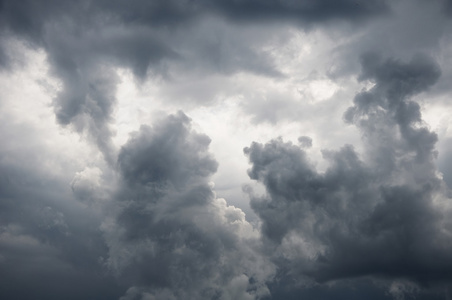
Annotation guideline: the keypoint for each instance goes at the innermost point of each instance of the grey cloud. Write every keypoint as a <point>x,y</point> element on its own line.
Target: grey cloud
<point>394,82</point>
<point>79,46</point>
<point>399,80</point>
<point>170,235</point>
<point>301,11</point>
<point>307,11</point>
<point>380,215</point>
<point>167,154</point>
<point>85,39</point>
<point>371,214</point>
<point>305,141</point>
<point>86,102</point>
<point>50,245</point>
<point>410,28</point>
<point>448,6</point>
<point>356,289</point>
<point>156,231</point>
<point>85,65</point>
<point>4,58</point>
<point>445,161</point>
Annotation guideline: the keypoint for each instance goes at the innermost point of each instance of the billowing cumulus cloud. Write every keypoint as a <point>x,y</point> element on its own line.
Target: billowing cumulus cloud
<point>170,237</point>
<point>381,213</point>
<point>122,170</point>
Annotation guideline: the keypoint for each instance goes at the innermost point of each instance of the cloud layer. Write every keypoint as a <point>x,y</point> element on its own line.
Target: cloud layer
<point>121,153</point>
<point>381,213</point>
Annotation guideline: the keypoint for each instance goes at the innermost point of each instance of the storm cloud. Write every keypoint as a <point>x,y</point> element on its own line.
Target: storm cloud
<point>171,237</point>
<point>85,41</point>
<point>225,149</point>
<point>383,212</point>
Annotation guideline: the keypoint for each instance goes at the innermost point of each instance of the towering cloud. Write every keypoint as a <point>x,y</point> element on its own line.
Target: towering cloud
<point>170,237</point>
<point>106,193</point>
<point>382,213</point>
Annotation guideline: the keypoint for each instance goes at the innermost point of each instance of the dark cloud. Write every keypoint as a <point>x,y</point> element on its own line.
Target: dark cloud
<point>166,154</point>
<point>445,161</point>
<point>305,141</point>
<point>375,214</point>
<point>4,59</point>
<point>302,11</point>
<point>84,41</point>
<point>148,224</point>
<point>448,6</point>
<point>171,237</point>
<point>355,289</point>
<point>84,44</point>
<point>157,230</point>
<point>50,245</point>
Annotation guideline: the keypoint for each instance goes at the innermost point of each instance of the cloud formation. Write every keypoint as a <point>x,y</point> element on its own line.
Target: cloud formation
<point>85,41</point>
<point>383,212</point>
<point>107,193</point>
<point>170,236</point>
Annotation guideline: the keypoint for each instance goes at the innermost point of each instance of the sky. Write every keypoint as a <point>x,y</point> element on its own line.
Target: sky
<point>225,149</point>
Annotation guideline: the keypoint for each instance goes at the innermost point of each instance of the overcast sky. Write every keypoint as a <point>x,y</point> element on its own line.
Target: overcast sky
<point>225,149</point>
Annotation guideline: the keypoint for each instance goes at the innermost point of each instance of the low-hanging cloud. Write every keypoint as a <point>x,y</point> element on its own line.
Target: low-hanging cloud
<point>170,237</point>
<point>86,41</point>
<point>381,213</point>
<point>143,220</point>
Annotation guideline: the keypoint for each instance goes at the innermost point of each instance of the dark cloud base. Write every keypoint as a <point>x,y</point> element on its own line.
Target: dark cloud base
<point>376,224</point>
<point>371,216</point>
